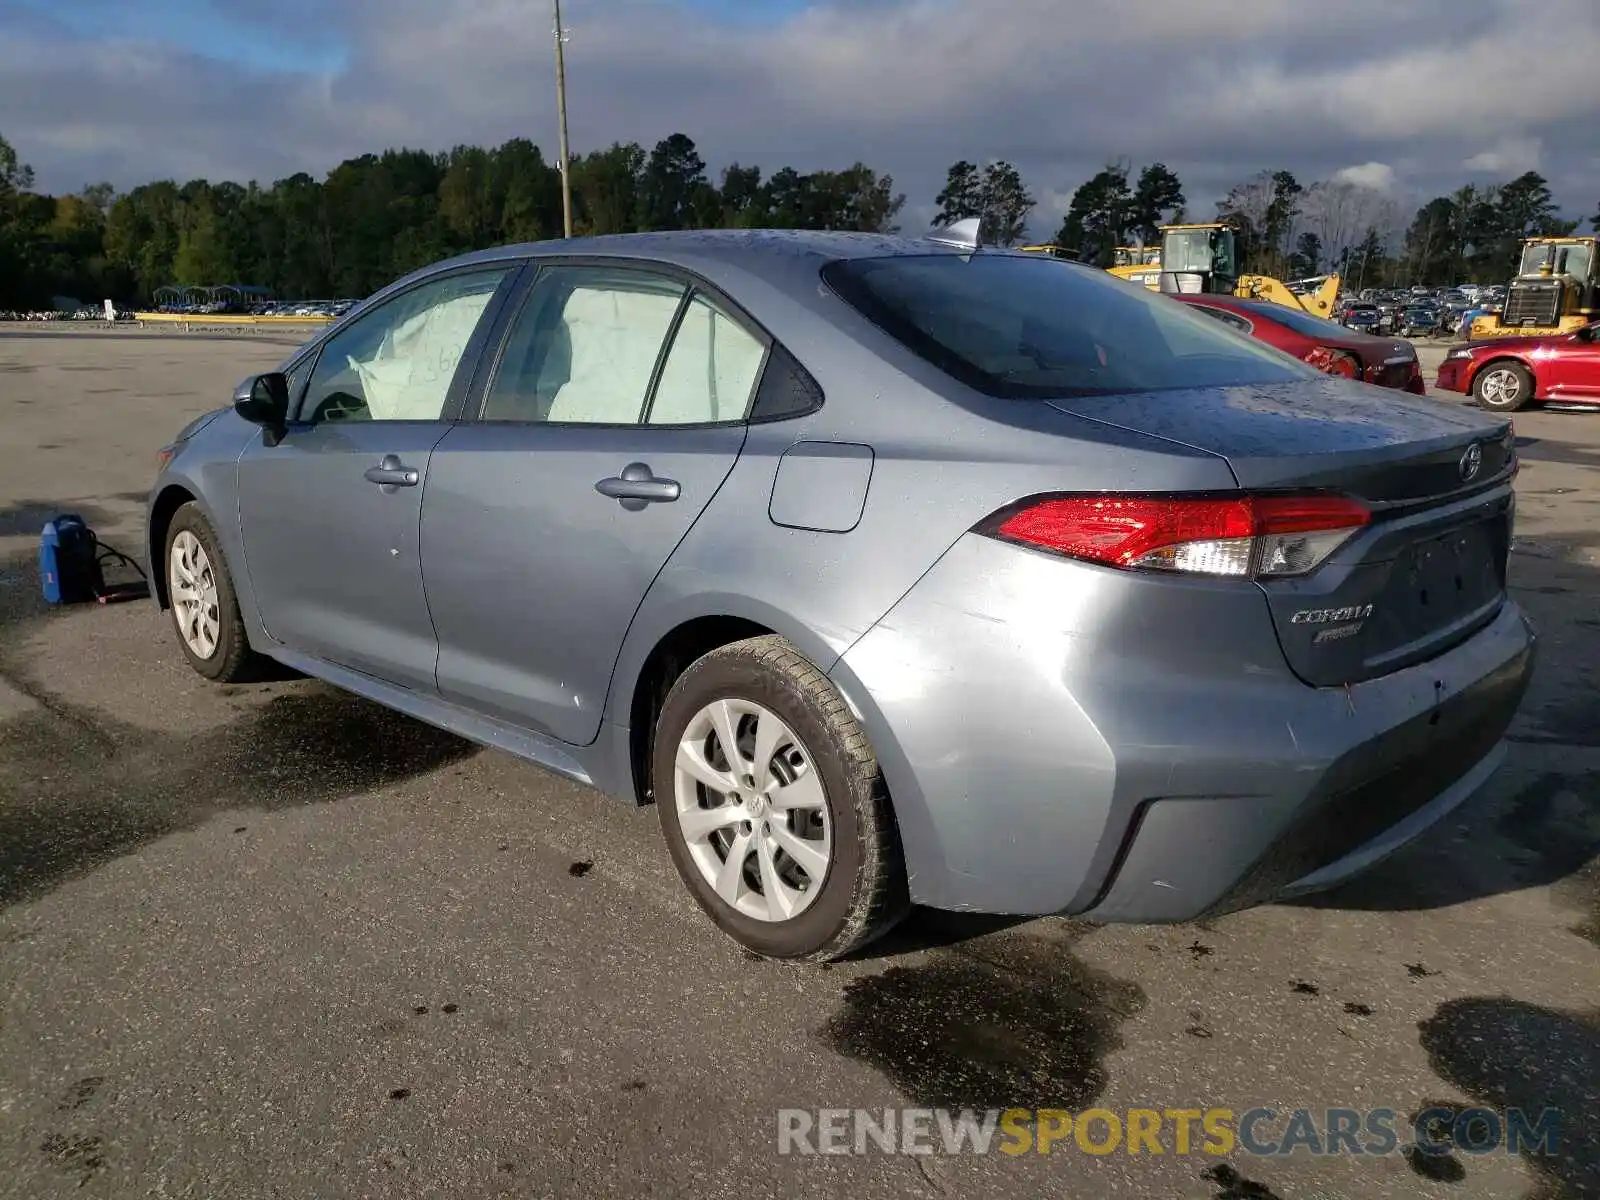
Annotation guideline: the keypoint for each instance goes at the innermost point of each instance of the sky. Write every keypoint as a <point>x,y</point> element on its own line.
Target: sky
<point>1414,96</point>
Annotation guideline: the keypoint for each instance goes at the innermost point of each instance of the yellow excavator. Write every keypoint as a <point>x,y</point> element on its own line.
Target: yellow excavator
<point>1557,290</point>
<point>1198,259</point>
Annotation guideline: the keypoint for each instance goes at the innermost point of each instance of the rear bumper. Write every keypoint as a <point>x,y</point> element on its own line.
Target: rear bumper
<point>1368,803</point>
<point>1064,738</point>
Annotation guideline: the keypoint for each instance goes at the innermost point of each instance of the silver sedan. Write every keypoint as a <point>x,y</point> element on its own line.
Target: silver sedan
<point>891,570</point>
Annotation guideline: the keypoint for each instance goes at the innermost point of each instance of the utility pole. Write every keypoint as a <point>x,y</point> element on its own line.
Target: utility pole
<point>561,108</point>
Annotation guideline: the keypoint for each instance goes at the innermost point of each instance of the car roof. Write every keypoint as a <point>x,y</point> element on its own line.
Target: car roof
<point>783,257</point>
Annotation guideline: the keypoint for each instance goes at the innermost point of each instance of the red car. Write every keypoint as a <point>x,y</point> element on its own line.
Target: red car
<point>1388,362</point>
<point>1505,374</point>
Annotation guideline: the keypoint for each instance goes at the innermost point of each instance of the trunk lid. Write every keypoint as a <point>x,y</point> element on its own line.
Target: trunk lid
<point>1431,568</point>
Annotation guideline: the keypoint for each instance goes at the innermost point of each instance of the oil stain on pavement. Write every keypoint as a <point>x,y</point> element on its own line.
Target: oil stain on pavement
<point>1008,1021</point>
<point>1440,1164</point>
<point>78,788</point>
<point>1556,819</point>
<point>1231,1185</point>
<point>1507,1053</point>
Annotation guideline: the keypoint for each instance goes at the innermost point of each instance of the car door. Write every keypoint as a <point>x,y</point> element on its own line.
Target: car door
<point>615,411</point>
<point>1570,369</point>
<point>329,514</point>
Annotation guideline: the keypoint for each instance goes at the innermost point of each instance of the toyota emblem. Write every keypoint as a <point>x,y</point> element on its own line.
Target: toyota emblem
<point>1471,463</point>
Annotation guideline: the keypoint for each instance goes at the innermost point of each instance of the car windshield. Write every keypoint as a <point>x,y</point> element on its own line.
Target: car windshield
<point>1022,327</point>
<point>1574,260</point>
<point>1196,250</point>
<point>1534,259</point>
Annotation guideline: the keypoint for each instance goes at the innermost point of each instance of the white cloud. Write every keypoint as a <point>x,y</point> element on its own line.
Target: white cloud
<point>1378,176</point>
<point>1217,89</point>
<point>1510,156</point>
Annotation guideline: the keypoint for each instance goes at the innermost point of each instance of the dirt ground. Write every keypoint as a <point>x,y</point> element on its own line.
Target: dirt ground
<point>273,940</point>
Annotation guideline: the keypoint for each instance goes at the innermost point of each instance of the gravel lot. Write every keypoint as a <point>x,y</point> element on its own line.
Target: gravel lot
<point>273,940</point>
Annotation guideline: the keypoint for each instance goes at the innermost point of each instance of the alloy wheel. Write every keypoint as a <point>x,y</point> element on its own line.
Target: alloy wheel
<point>1501,386</point>
<point>193,587</point>
<point>752,810</point>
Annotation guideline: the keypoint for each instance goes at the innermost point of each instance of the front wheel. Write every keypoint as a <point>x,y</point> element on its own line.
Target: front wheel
<point>773,806</point>
<point>1503,387</point>
<point>205,612</point>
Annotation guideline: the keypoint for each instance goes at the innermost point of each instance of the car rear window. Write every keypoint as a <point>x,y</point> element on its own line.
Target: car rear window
<point>1025,327</point>
<point>1300,322</point>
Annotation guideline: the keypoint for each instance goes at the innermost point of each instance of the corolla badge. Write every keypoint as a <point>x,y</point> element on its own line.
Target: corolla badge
<point>1328,616</point>
<point>1471,463</point>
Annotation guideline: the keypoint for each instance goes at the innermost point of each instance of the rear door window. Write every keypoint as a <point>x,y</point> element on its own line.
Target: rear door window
<point>585,347</point>
<point>710,371</point>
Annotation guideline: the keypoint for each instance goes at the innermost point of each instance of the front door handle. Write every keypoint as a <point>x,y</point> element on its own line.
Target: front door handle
<point>638,486</point>
<point>391,473</point>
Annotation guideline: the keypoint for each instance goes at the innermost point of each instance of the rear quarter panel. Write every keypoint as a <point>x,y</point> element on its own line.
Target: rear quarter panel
<point>944,458</point>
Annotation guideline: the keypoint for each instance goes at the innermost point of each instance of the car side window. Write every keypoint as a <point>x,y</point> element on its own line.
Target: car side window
<point>710,371</point>
<point>298,378</point>
<point>1233,320</point>
<point>584,348</point>
<point>396,363</point>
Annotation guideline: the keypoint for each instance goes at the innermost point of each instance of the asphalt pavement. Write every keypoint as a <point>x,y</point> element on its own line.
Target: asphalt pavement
<point>273,940</point>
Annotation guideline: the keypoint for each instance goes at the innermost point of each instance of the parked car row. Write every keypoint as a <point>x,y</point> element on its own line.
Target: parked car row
<point>1417,311</point>
<point>877,565</point>
<point>307,308</point>
<point>36,314</point>
<point>72,314</point>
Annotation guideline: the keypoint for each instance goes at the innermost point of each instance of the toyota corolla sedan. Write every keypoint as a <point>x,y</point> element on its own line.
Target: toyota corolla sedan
<point>891,571</point>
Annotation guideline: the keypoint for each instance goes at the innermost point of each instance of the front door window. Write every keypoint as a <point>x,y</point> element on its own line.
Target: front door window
<point>397,362</point>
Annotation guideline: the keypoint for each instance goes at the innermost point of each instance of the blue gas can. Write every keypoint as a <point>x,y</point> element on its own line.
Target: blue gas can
<point>69,567</point>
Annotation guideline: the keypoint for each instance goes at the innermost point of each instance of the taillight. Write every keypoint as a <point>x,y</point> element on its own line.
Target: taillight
<point>1335,362</point>
<point>1240,536</point>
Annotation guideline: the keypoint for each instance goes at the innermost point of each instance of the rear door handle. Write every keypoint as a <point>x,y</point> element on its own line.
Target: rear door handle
<point>391,473</point>
<point>638,486</point>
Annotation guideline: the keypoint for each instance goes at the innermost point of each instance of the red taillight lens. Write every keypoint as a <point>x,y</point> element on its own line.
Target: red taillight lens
<point>1335,362</point>
<point>1239,536</point>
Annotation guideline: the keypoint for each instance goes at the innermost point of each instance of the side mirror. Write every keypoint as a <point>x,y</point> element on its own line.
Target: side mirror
<point>1586,334</point>
<point>264,400</point>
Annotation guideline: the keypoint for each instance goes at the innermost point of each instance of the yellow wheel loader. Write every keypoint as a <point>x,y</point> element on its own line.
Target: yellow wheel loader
<point>1557,290</point>
<point>1203,259</point>
<point>1136,256</point>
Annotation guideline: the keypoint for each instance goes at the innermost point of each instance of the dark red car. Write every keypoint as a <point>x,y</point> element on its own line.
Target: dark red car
<point>1504,374</point>
<point>1388,362</point>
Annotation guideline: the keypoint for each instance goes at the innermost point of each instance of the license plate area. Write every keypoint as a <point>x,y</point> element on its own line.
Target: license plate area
<point>1435,584</point>
<point>1456,573</point>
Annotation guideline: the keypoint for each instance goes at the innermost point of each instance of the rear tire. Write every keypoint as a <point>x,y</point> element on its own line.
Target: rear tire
<point>1503,387</point>
<point>205,610</point>
<point>732,821</point>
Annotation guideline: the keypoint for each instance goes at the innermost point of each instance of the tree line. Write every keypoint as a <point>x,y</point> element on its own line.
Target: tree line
<point>373,218</point>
